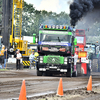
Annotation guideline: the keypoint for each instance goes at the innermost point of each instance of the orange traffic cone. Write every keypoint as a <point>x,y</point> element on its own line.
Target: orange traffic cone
<point>89,86</point>
<point>22,95</point>
<point>60,88</point>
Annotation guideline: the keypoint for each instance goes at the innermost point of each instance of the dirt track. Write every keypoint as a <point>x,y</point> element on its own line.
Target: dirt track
<point>11,81</point>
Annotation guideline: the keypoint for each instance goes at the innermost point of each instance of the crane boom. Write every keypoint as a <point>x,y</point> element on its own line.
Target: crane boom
<point>16,20</point>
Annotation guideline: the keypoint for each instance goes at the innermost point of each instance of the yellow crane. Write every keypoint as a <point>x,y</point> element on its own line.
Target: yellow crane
<point>13,33</point>
<point>16,40</point>
<point>15,37</point>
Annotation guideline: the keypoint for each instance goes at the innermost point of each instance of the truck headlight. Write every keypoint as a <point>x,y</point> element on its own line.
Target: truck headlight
<point>70,60</point>
<point>53,26</point>
<point>65,62</point>
<point>61,26</point>
<point>57,26</point>
<point>41,61</point>
<point>65,59</point>
<point>49,26</point>
<point>41,58</point>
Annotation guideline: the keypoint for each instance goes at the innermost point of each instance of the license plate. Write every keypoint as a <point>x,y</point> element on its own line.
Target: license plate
<point>53,67</point>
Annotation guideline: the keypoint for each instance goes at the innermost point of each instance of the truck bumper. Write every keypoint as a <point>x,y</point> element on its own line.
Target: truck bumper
<point>53,68</point>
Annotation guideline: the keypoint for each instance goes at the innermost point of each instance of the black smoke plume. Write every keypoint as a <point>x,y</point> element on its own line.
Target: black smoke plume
<point>79,8</point>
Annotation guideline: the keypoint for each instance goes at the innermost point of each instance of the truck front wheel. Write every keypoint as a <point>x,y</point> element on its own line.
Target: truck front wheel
<point>75,74</point>
<point>39,73</point>
<point>69,73</point>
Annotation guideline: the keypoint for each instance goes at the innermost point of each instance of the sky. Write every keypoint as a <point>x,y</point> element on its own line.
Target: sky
<point>50,5</point>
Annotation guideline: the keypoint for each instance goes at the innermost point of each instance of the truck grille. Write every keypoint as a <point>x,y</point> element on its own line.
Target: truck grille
<point>53,60</point>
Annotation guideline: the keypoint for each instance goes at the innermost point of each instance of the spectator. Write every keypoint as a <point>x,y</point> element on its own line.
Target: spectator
<point>31,58</point>
<point>5,57</point>
<point>0,66</point>
<point>18,58</point>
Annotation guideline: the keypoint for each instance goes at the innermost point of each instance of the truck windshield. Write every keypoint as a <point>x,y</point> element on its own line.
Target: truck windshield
<point>55,38</point>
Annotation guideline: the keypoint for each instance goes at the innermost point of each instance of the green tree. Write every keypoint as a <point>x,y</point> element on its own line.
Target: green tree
<point>32,19</point>
<point>27,19</point>
<point>0,11</point>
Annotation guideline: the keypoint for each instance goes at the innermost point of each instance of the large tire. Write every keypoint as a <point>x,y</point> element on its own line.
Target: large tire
<point>75,74</point>
<point>69,73</point>
<point>39,73</point>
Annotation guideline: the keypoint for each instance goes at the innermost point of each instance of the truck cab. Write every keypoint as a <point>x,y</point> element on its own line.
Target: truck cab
<point>56,45</point>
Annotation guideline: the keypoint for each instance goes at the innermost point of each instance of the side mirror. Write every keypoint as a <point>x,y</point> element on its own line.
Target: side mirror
<point>34,38</point>
<point>75,41</point>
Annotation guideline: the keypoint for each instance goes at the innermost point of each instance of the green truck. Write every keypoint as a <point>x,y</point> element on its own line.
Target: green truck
<point>56,46</point>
